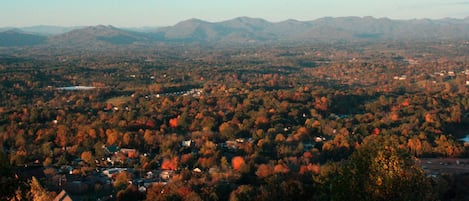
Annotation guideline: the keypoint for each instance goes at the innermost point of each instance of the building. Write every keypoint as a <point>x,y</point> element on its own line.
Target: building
<point>130,153</point>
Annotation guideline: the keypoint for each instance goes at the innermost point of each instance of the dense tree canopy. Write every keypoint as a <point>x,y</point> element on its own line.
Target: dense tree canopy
<point>238,123</point>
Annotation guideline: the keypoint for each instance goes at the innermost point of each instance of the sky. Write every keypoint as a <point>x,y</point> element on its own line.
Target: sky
<point>139,13</point>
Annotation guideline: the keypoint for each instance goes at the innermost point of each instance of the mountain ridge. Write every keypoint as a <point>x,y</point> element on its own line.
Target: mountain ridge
<point>247,29</point>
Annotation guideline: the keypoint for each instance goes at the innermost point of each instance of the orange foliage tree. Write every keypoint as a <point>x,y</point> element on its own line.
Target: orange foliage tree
<point>87,156</point>
<point>313,168</point>
<point>264,171</point>
<point>281,168</point>
<point>174,122</point>
<point>170,164</point>
<point>237,162</point>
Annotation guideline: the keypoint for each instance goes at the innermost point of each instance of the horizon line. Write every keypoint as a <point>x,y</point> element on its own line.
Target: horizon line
<point>228,19</point>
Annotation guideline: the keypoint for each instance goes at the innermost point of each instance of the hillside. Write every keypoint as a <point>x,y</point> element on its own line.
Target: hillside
<point>246,30</point>
<point>96,35</point>
<point>320,30</point>
<point>16,38</point>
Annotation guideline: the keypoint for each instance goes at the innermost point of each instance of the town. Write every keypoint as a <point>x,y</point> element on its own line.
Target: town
<point>226,122</point>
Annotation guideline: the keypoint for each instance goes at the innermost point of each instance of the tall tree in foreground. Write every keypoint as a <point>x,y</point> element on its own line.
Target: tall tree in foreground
<point>38,193</point>
<point>377,170</point>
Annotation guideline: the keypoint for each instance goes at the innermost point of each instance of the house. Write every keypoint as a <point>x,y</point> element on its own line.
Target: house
<point>237,143</point>
<point>66,169</point>
<point>109,150</point>
<point>130,153</point>
<point>197,170</point>
<point>230,144</point>
<point>240,140</point>
<point>63,196</point>
<point>319,139</point>
<point>166,174</point>
<point>149,175</point>
<point>186,143</point>
<point>113,171</point>
<point>451,74</point>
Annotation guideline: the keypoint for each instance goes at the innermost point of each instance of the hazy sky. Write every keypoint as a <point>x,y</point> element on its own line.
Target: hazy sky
<point>135,13</point>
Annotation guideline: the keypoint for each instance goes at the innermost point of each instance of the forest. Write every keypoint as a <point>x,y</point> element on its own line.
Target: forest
<point>338,121</point>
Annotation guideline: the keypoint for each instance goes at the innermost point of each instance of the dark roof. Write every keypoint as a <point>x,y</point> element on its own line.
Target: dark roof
<point>112,148</point>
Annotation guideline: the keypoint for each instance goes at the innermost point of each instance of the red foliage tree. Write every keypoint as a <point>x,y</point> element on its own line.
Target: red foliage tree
<point>281,168</point>
<point>170,164</point>
<point>237,162</point>
<point>376,131</point>
<point>174,122</point>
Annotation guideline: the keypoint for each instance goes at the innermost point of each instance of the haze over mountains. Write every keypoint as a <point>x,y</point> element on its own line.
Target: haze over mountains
<point>242,30</point>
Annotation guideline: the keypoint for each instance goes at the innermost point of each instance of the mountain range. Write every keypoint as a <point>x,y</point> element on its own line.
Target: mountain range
<point>241,30</point>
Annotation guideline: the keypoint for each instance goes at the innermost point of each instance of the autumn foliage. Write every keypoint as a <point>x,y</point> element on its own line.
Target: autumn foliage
<point>170,164</point>
<point>264,170</point>
<point>281,168</point>
<point>311,168</point>
<point>283,126</point>
<point>174,122</point>
<point>237,162</point>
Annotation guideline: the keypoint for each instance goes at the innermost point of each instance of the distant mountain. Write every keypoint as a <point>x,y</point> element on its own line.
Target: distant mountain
<point>247,24</point>
<point>192,30</point>
<point>17,38</point>
<point>47,30</point>
<point>243,30</point>
<point>95,36</point>
<point>3,29</point>
<point>240,29</point>
<point>321,30</point>
<point>145,29</point>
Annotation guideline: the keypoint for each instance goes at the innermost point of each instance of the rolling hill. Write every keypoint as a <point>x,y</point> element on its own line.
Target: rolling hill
<point>244,30</point>
<point>320,30</point>
<point>95,36</point>
<point>15,37</point>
